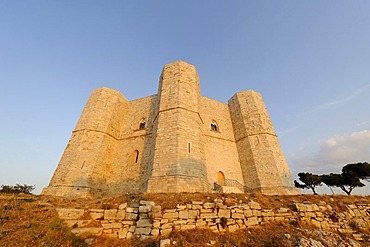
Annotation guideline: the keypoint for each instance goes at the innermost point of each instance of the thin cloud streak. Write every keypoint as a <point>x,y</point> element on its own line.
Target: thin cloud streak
<point>328,105</point>
<point>342,100</point>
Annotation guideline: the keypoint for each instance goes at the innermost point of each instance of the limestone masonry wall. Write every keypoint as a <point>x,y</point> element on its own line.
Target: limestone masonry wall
<point>174,141</point>
<point>145,219</point>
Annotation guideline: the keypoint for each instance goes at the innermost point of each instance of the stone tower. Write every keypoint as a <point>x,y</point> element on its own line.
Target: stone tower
<point>262,161</point>
<point>179,163</point>
<point>174,141</point>
<point>86,163</point>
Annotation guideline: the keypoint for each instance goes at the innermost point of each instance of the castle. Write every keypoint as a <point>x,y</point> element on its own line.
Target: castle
<point>174,141</point>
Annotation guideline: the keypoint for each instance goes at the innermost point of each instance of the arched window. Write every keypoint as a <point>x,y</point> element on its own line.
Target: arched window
<point>214,126</point>
<point>142,124</point>
<point>135,157</point>
<point>220,178</point>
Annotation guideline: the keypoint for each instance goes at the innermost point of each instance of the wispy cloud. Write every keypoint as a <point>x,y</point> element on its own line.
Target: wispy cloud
<point>334,153</point>
<point>327,105</point>
<point>342,100</point>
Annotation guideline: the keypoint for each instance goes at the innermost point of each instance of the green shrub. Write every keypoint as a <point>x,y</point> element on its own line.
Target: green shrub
<point>16,189</point>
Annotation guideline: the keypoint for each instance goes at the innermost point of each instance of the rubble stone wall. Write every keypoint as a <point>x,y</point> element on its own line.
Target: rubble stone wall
<point>145,219</point>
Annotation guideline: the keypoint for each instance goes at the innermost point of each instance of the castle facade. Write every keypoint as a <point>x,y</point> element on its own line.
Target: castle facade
<point>174,141</point>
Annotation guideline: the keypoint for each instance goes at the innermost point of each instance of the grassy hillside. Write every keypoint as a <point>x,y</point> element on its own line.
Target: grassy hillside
<point>30,220</point>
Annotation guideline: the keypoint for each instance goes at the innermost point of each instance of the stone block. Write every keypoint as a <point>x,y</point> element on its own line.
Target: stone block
<point>167,226</point>
<point>128,222</point>
<point>183,214</point>
<point>97,215</point>
<point>193,214</point>
<point>206,210</point>
<point>120,214</point>
<point>87,231</point>
<point>171,215</point>
<point>143,230</point>
<point>145,209</point>
<point>165,232</point>
<point>252,221</point>
<point>147,203</point>
<point>132,229</point>
<point>131,216</point>
<point>208,215</point>
<point>254,205</point>
<point>70,213</point>
<point>123,233</point>
<point>122,206</point>
<point>156,211</point>
<point>237,216</point>
<point>110,214</point>
<point>208,205</point>
<point>195,206</point>
<point>165,243</point>
<point>248,213</point>
<point>201,223</point>
<point>155,232</point>
<point>224,213</point>
<point>143,223</point>
<point>156,223</point>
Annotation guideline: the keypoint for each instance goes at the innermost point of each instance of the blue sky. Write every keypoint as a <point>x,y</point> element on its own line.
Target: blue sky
<point>309,59</point>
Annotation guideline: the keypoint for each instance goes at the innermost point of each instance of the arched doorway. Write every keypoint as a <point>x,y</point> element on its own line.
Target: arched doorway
<point>220,178</point>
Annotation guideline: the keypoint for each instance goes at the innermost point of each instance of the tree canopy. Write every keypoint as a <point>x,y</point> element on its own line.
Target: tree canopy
<point>347,181</point>
<point>343,181</point>
<point>360,170</point>
<point>310,181</point>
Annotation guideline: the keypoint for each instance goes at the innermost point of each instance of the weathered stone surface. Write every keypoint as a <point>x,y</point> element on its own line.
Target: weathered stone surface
<point>97,215</point>
<point>144,230</point>
<point>183,214</point>
<point>145,209</point>
<point>171,215</point>
<point>70,213</point>
<point>165,232</point>
<point>208,205</point>
<point>87,231</point>
<point>110,214</point>
<point>131,216</point>
<point>254,205</point>
<point>165,243</point>
<point>208,215</point>
<point>224,213</point>
<point>123,233</point>
<point>144,223</point>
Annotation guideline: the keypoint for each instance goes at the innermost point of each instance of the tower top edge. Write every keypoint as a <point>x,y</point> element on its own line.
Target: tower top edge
<point>179,62</point>
<point>245,93</point>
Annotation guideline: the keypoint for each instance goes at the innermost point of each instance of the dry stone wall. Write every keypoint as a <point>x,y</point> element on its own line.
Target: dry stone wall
<point>145,219</point>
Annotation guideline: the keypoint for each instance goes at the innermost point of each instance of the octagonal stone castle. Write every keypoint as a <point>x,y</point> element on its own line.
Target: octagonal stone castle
<point>174,141</point>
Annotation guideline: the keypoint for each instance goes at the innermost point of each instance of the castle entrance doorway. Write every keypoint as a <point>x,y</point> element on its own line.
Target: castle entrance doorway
<point>221,178</point>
